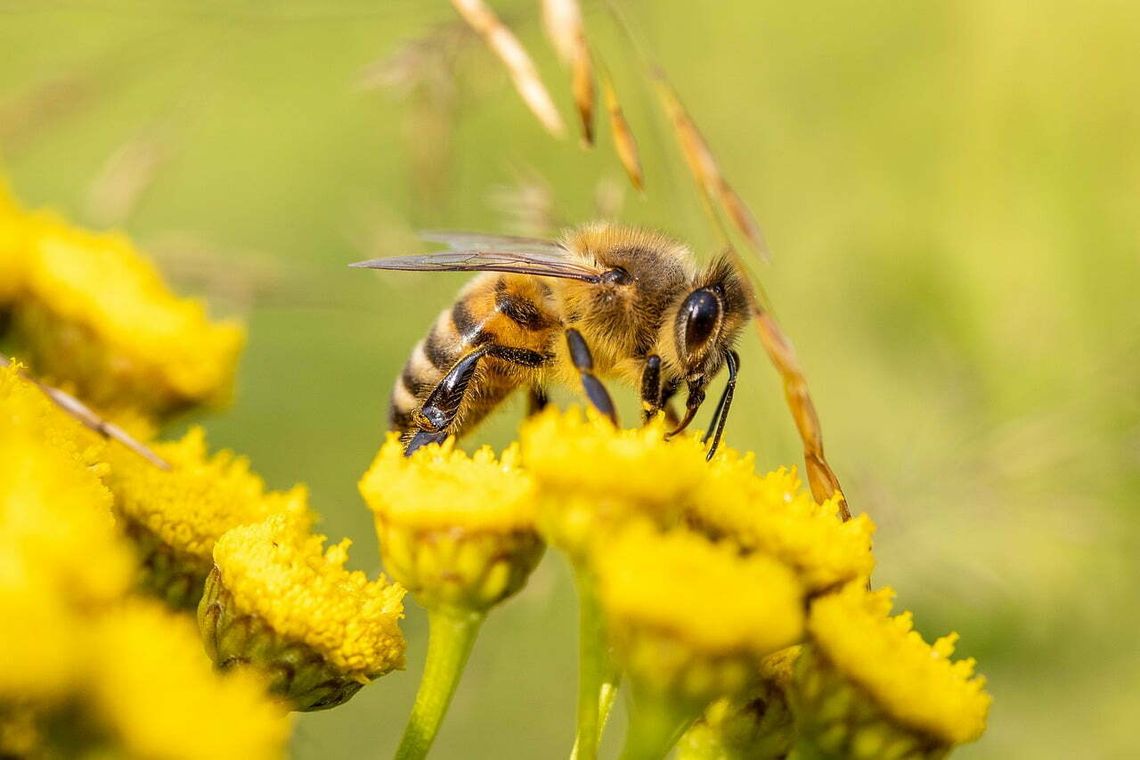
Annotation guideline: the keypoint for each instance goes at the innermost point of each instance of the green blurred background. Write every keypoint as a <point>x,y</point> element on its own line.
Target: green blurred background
<point>951,191</point>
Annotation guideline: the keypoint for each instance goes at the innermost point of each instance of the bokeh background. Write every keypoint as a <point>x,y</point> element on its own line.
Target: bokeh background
<point>951,191</point>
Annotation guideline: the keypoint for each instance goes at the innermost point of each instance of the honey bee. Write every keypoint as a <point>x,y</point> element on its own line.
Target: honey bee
<point>605,301</point>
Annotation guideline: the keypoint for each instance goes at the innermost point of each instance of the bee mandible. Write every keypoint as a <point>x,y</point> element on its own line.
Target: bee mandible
<point>604,301</point>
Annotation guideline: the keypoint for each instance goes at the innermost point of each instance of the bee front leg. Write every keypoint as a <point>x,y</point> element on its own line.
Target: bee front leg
<point>720,416</point>
<point>584,363</point>
<point>651,387</point>
<point>672,419</point>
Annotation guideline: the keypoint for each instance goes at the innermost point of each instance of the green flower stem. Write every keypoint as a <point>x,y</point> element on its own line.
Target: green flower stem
<point>451,635</point>
<point>606,699</point>
<point>597,679</point>
<point>655,725</point>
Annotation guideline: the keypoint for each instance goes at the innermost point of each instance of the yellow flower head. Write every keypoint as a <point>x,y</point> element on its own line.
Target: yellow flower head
<point>692,617</point>
<point>96,314</point>
<point>154,693</point>
<point>444,487</point>
<point>55,513</point>
<point>276,595</point>
<point>176,516</point>
<point>773,514</point>
<point>592,474</point>
<point>456,530</point>
<point>880,665</point>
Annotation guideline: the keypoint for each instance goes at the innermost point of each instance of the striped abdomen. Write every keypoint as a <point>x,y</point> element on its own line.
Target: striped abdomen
<point>506,310</point>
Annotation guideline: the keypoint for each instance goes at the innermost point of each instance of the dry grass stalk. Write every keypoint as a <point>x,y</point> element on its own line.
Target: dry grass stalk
<point>624,142</point>
<point>821,478</point>
<point>84,414</point>
<point>124,178</point>
<point>562,20</point>
<point>510,51</point>
<point>705,169</point>
<point>582,86</point>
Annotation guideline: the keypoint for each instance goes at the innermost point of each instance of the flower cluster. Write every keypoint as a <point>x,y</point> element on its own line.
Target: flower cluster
<point>735,607</point>
<point>93,535</point>
<point>88,664</point>
<point>702,577</point>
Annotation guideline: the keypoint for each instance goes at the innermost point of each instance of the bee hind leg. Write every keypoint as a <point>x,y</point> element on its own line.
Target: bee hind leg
<point>439,410</point>
<point>584,363</point>
<point>422,438</point>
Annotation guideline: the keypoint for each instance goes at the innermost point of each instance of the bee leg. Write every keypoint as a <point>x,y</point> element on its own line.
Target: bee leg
<point>422,438</point>
<point>536,400</point>
<point>651,387</point>
<point>720,416</point>
<point>693,402</point>
<point>442,405</point>
<point>584,363</point>
<point>672,419</point>
<point>435,417</point>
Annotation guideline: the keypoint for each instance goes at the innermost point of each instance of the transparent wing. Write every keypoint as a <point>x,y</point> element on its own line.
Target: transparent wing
<point>477,240</point>
<point>541,263</point>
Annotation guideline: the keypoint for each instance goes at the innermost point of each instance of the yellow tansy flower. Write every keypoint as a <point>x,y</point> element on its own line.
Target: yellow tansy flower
<point>278,600</point>
<point>773,514</point>
<point>156,695</point>
<point>591,474</point>
<point>54,510</point>
<point>176,516</point>
<point>96,314</point>
<point>869,686</point>
<point>691,617</point>
<point>690,622</point>
<point>454,529</point>
<point>458,532</point>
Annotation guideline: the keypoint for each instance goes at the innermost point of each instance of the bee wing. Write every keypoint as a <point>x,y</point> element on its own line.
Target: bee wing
<point>472,240</point>
<point>541,263</point>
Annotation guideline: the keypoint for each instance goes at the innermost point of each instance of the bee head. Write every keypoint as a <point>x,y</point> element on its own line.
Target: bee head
<point>709,319</point>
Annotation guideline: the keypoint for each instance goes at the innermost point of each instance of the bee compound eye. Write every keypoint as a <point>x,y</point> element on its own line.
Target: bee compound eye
<point>701,312</point>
